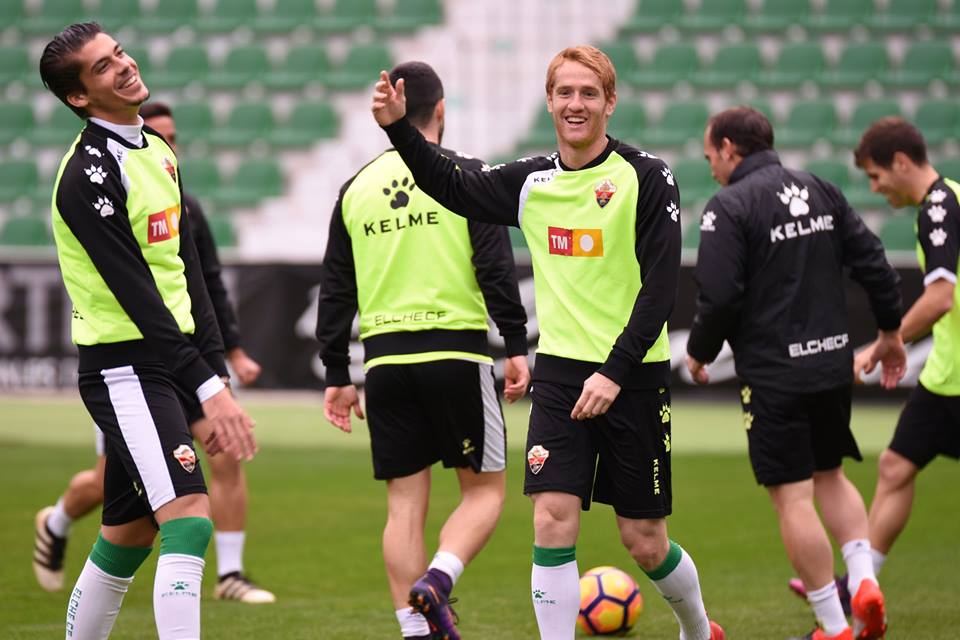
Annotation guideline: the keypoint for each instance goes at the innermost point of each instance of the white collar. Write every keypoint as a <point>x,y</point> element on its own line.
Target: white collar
<point>132,133</point>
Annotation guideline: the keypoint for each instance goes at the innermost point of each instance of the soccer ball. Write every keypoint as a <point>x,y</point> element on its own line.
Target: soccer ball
<point>610,602</point>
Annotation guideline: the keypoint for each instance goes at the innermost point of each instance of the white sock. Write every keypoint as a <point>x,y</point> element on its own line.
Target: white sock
<point>229,551</point>
<point>556,599</point>
<point>825,602</point>
<point>412,625</point>
<point>176,596</point>
<point>94,603</point>
<point>681,589</point>
<point>878,560</point>
<point>449,563</point>
<point>58,521</point>
<point>856,553</point>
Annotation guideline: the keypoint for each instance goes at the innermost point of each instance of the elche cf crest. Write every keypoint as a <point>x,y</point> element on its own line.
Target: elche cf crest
<point>536,458</point>
<point>604,191</point>
<point>186,457</point>
<point>170,168</point>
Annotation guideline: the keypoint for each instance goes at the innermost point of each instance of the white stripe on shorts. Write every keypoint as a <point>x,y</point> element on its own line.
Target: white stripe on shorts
<point>99,442</point>
<point>139,433</point>
<point>494,435</point>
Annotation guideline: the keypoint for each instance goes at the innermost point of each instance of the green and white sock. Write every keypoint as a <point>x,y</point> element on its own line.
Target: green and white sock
<point>677,581</point>
<point>96,598</point>
<point>176,588</point>
<point>555,583</point>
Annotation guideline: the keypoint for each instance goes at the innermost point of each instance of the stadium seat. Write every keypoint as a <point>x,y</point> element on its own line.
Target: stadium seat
<point>681,121</point>
<point>695,183</point>
<point>899,233</point>
<point>542,135</point>
<point>808,121</point>
<point>840,15</point>
<point>691,237</point>
<point>947,20</point>
<point>18,178</point>
<point>253,181</point>
<point>247,122</point>
<point>168,16</point>
<point>622,55</point>
<point>858,64</point>
<point>361,67</point>
<point>714,15</point>
<point>903,15</point>
<point>627,123</point>
<point>26,231</point>
<point>797,63</point>
<point>194,121</point>
<point>865,114</point>
<point>860,197</point>
<point>52,16</point>
<point>285,16</point>
<point>114,15</point>
<point>142,56</point>
<point>58,130</point>
<point>733,64</point>
<point>226,16</point>
<point>13,12</point>
<point>948,168</point>
<point>346,15</point>
<point>410,15</point>
<point>242,66</point>
<point>652,15</point>
<point>201,176</point>
<point>938,120</point>
<point>184,65</point>
<point>923,63</point>
<point>835,172</point>
<point>221,228</point>
<point>16,121</point>
<point>777,16</point>
<point>671,64</point>
<point>305,64</point>
<point>309,122</point>
<point>14,65</point>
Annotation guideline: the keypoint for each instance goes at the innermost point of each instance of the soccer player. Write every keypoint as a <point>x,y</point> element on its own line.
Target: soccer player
<point>602,222</point>
<point>893,154</point>
<point>228,487</point>
<point>774,245</point>
<point>150,354</point>
<point>424,281</point>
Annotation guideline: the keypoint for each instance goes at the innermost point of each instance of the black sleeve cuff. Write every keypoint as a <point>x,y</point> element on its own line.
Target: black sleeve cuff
<point>516,344</point>
<point>338,376</point>
<point>699,347</point>
<point>888,321</point>
<point>401,132</point>
<point>617,367</point>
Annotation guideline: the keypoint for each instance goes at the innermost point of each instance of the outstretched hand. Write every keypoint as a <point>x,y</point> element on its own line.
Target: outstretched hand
<point>337,404</point>
<point>389,102</point>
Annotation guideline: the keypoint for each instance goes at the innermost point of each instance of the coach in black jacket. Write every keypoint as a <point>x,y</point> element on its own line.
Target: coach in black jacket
<point>774,245</point>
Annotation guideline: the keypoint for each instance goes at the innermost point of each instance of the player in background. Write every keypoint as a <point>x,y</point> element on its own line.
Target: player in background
<point>773,249</point>
<point>227,485</point>
<point>150,353</point>
<point>596,215</point>
<point>424,281</point>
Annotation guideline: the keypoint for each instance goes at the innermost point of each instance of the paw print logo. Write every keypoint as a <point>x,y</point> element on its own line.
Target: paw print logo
<point>397,190</point>
<point>937,196</point>
<point>97,174</point>
<point>665,414</point>
<point>745,394</point>
<point>747,420</point>
<point>938,237</point>
<point>104,206</point>
<point>539,593</point>
<point>666,442</point>
<point>666,173</point>
<point>93,151</point>
<point>674,211</point>
<point>179,585</point>
<point>707,221</point>
<point>937,213</point>
<point>796,197</point>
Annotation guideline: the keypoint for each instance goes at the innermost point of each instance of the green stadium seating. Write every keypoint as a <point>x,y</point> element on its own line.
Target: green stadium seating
<point>671,64</point>
<point>923,63</point>
<point>309,122</point>
<point>691,237</point>
<point>142,57</point>
<point>16,121</point>
<point>15,65</point>
<point>201,176</point>
<point>168,16</point>
<point>858,64</point>
<point>247,122</point>
<point>680,123</point>
<point>948,168</point>
<point>865,114</point>
<point>410,15</point>
<point>13,12</point>
<point>947,20</point>
<point>695,182</point>
<point>627,123</point>
<point>938,120</point>
<point>733,64</point>
<point>903,15</point>
<point>808,121</point>
<point>860,197</point>
<point>52,16</point>
<point>714,15</point>
<point>58,130</point>
<point>835,172</point>
<point>18,178</point>
<point>760,104</point>
<point>840,15</point>
<point>361,67</point>
<point>305,64</point>
<point>194,121</point>
<point>221,228</point>
<point>346,15</point>
<point>899,233</point>
<point>253,181</point>
<point>242,66</point>
<point>797,63</point>
<point>226,16</point>
<point>542,135</point>
<point>286,16</point>
<point>26,231</point>
<point>622,55</point>
<point>652,15</point>
<point>777,16</point>
<point>517,241</point>
<point>184,65</point>
<point>114,15</point>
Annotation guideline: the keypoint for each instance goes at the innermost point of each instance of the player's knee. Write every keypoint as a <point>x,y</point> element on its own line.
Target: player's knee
<point>554,520</point>
<point>647,548</point>
<point>225,469</point>
<point>188,536</point>
<point>894,470</point>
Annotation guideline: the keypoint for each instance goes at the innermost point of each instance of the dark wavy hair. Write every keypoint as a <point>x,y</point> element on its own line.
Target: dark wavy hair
<point>59,67</point>
<point>748,130</point>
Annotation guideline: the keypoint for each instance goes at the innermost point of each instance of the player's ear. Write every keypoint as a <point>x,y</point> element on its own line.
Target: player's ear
<point>440,111</point>
<point>78,100</point>
<point>611,104</point>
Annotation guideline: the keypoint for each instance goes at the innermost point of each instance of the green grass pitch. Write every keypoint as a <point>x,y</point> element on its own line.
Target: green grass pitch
<point>316,516</point>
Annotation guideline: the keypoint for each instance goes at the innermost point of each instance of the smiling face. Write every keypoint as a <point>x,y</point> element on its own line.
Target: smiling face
<point>112,88</point>
<point>889,182</point>
<point>580,107</point>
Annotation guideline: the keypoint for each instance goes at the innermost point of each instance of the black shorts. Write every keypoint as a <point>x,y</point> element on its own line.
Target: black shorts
<point>621,458</point>
<point>443,410</point>
<point>929,426</point>
<point>144,414</point>
<point>791,435</point>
